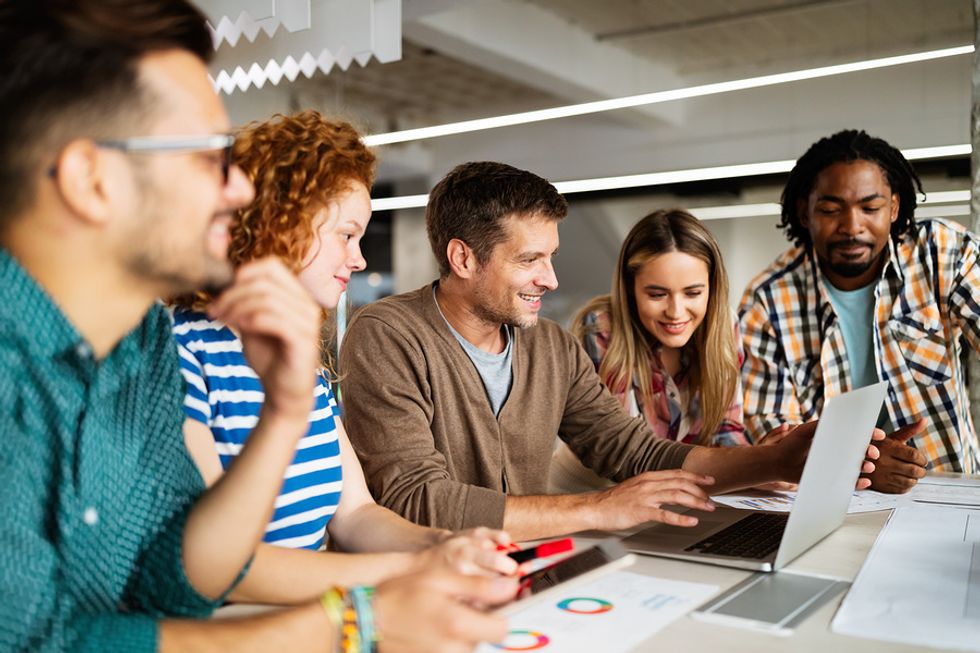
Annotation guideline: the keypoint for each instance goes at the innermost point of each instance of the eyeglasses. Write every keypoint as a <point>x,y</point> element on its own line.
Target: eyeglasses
<point>172,145</point>
<point>177,145</point>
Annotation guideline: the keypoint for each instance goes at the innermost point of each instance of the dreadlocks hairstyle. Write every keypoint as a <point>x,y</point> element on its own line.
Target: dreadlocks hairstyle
<point>847,146</point>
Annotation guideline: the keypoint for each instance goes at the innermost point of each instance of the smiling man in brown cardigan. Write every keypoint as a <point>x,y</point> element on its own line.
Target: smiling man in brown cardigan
<point>454,392</point>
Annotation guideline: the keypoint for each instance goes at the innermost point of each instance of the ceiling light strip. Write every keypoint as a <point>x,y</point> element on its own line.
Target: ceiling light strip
<point>684,176</point>
<point>656,97</point>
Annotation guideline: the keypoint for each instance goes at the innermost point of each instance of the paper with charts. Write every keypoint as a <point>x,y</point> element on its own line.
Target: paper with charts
<point>921,582</point>
<point>861,501</point>
<point>611,614</point>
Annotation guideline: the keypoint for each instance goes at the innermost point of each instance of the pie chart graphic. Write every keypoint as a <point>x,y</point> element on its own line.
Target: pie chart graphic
<point>585,605</point>
<point>524,640</point>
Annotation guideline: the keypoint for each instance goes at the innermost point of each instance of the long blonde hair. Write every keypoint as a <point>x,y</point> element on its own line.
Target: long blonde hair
<point>629,355</point>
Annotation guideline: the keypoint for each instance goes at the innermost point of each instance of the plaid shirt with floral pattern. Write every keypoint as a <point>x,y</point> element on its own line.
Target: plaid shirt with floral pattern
<point>926,302</point>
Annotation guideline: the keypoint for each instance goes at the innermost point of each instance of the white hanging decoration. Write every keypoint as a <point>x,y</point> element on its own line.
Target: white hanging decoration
<point>255,47</point>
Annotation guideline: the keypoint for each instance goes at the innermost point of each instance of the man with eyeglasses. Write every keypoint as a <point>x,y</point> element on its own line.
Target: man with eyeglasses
<point>117,190</point>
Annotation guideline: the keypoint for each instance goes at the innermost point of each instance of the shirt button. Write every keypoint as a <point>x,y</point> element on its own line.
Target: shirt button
<point>83,350</point>
<point>91,516</point>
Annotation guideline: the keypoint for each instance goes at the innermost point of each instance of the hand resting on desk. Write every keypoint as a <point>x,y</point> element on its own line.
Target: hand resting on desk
<point>900,466</point>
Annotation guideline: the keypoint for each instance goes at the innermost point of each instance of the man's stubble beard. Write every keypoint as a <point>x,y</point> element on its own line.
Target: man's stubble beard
<point>853,270</point>
<point>161,258</point>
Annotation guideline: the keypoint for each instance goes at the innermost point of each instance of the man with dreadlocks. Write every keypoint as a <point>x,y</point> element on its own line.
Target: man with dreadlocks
<point>866,294</point>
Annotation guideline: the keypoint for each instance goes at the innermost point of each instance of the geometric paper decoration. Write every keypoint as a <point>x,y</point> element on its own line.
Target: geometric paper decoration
<point>267,41</point>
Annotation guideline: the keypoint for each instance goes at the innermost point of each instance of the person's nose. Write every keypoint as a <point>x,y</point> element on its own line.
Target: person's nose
<point>851,222</point>
<point>548,279</point>
<point>356,262</point>
<point>238,191</point>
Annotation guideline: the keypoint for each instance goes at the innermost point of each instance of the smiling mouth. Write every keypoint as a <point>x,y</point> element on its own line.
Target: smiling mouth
<point>531,299</point>
<point>674,327</point>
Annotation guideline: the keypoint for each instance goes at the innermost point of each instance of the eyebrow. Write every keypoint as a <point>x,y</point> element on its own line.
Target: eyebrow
<point>840,200</point>
<point>665,289</point>
<point>526,255</point>
<point>355,224</point>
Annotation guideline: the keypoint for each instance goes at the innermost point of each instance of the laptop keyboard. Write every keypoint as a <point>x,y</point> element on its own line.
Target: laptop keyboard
<point>755,536</point>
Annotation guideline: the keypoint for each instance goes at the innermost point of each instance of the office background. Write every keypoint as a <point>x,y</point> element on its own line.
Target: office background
<point>453,60</point>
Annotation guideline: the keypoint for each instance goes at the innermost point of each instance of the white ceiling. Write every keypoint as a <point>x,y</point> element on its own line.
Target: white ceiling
<point>476,58</point>
<point>707,35</point>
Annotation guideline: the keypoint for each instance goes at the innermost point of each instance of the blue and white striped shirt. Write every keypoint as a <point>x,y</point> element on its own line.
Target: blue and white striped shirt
<point>224,393</point>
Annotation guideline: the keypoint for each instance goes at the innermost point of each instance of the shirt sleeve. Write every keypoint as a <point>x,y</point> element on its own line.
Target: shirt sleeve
<point>964,291</point>
<point>160,586</point>
<point>388,411</point>
<point>196,404</point>
<point>768,388</point>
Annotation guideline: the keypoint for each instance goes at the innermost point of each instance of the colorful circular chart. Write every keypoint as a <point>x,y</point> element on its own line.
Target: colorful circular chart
<point>524,640</point>
<point>585,605</point>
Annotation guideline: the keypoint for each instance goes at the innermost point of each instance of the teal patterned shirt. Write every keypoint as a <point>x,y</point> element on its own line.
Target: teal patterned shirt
<point>95,481</point>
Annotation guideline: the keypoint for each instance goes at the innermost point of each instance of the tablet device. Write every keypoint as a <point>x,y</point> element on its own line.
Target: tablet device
<point>775,603</point>
<point>606,556</point>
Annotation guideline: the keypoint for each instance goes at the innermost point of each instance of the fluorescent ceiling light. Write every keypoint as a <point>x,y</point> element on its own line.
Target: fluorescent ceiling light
<point>697,174</point>
<point>656,97</point>
<point>395,203</point>
<point>773,208</point>
<point>736,211</point>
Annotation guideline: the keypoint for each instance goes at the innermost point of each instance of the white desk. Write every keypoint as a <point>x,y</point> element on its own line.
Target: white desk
<point>840,555</point>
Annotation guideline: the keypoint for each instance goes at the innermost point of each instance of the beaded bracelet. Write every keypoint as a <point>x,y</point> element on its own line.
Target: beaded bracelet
<point>350,639</point>
<point>352,616</point>
<point>362,597</point>
<point>333,604</point>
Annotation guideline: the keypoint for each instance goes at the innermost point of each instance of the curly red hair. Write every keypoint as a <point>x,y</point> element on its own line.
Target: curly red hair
<point>298,164</point>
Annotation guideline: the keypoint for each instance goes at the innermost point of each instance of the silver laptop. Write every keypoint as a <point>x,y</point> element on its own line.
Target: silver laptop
<point>767,541</point>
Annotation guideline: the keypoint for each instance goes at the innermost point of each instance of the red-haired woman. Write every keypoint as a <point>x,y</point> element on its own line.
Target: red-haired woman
<point>312,206</point>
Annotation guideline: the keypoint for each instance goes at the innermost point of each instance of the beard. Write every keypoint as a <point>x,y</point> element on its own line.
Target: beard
<point>493,315</point>
<point>156,248</point>
<point>848,269</point>
<point>494,309</point>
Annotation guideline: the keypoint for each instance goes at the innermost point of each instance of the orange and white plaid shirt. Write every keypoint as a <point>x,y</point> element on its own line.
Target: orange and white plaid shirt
<point>928,296</point>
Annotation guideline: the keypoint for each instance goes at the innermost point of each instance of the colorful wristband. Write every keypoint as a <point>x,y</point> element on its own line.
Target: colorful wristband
<point>333,604</point>
<point>362,598</point>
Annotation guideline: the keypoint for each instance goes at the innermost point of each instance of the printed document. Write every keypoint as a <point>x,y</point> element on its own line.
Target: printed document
<point>611,614</point>
<point>921,581</point>
<point>861,501</point>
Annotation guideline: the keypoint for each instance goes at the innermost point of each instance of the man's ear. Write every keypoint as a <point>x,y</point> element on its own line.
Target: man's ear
<point>896,204</point>
<point>462,259</point>
<point>82,175</point>
<point>801,214</point>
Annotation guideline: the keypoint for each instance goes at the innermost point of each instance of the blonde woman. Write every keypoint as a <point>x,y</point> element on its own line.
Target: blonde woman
<point>664,341</point>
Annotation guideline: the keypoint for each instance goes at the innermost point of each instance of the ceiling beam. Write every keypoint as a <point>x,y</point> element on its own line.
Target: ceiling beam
<point>540,49</point>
